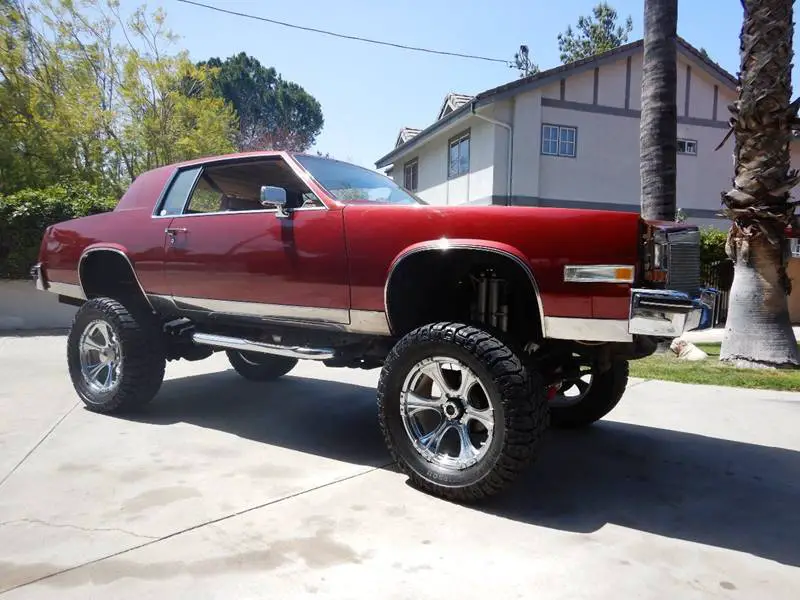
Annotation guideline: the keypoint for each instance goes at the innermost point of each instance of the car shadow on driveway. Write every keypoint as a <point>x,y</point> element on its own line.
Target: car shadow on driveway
<point>722,493</point>
<point>326,418</point>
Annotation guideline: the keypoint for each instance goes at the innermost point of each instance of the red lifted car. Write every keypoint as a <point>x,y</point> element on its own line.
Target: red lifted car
<point>489,322</point>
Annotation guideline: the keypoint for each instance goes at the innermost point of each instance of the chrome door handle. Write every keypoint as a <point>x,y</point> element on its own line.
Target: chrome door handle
<point>172,231</point>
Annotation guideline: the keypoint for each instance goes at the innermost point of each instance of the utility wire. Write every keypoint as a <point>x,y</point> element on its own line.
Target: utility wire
<point>344,36</point>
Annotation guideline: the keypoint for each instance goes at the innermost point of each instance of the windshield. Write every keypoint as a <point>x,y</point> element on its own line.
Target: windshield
<point>351,184</point>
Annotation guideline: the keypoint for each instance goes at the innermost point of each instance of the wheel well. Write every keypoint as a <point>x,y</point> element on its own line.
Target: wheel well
<point>107,273</point>
<point>458,285</point>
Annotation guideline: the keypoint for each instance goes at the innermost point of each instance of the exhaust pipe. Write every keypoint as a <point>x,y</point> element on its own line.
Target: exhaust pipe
<point>232,343</point>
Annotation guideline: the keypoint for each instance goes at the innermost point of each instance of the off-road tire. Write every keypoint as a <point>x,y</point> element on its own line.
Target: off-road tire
<point>260,367</point>
<point>142,349</point>
<point>604,394</point>
<point>516,395</point>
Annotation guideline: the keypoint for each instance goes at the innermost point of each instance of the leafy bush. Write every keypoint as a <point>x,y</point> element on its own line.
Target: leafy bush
<point>712,246</point>
<point>25,215</point>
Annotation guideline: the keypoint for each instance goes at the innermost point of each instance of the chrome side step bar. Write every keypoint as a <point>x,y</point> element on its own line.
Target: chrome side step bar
<point>223,341</point>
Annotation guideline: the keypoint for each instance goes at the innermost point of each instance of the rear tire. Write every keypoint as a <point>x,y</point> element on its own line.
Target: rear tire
<point>603,394</point>
<point>115,356</point>
<point>501,407</point>
<point>256,366</point>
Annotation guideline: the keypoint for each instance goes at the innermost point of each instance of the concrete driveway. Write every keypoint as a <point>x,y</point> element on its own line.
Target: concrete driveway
<point>230,489</point>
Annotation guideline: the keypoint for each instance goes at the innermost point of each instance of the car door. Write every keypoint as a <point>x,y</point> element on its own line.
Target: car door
<point>227,253</point>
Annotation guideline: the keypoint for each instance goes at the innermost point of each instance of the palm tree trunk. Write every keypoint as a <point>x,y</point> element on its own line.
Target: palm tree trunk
<point>658,131</point>
<point>758,332</point>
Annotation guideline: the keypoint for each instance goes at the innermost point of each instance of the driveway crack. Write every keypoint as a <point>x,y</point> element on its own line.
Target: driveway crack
<point>156,540</point>
<point>78,527</point>
<point>39,443</point>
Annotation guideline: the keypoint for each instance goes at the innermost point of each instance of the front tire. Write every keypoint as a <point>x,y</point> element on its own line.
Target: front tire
<point>596,396</point>
<point>115,356</point>
<point>460,414</point>
<point>256,366</point>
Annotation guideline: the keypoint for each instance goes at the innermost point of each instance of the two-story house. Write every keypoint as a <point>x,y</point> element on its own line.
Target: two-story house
<point>569,137</point>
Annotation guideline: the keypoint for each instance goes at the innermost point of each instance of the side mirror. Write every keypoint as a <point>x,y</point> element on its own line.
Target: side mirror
<point>274,196</point>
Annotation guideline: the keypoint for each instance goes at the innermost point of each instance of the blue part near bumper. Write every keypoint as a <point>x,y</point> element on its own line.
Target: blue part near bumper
<point>669,313</point>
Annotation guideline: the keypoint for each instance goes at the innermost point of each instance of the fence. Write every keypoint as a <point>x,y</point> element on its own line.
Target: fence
<point>719,275</point>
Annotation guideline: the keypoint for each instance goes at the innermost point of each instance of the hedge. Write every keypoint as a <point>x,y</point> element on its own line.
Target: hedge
<point>25,215</point>
<point>712,246</point>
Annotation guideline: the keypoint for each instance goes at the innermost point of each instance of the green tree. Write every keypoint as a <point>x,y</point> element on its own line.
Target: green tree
<point>594,34</point>
<point>658,128</point>
<point>77,104</point>
<point>758,331</point>
<point>273,113</point>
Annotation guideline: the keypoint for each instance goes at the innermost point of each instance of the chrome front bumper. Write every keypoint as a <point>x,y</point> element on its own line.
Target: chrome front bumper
<point>669,314</point>
<point>37,274</point>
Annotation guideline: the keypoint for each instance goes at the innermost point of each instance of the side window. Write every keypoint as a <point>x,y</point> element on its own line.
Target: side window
<point>205,199</point>
<point>176,195</point>
<point>236,186</point>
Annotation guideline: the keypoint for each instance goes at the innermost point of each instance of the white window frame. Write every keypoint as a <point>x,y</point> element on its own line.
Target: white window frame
<point>686,142</point>
<point>549,128</point>
<point>457,141</point>
<point>412,168</point>
<point>794,246</point>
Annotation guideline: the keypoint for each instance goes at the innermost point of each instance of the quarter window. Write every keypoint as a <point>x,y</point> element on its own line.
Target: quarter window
<point>411,175</point>
<point>559,140</point>
<point>687,147</point>
<point>458,156</point>
<point>178,191</point>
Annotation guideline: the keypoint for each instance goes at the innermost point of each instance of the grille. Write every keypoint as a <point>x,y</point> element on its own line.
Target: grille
<point>684,261</point>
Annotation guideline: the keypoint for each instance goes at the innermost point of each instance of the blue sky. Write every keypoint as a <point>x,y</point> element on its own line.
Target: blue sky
<point>369,92</point>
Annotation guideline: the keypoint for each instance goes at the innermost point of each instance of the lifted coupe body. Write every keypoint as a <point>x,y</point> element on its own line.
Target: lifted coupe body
<point>275,257</point>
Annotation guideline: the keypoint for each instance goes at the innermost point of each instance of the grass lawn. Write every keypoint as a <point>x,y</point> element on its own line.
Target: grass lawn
<point>712,372</point>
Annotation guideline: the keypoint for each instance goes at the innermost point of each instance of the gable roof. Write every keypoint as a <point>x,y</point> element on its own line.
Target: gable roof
<point>543,78</point>
<point>451,102</point>
<point>406,133</point>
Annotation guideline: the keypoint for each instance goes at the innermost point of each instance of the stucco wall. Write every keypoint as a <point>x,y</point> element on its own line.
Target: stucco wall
<point>433,185</point>
<point>580,88</point>
<point>606,169</point>
<point>527,141</point>
<point>611,84</point>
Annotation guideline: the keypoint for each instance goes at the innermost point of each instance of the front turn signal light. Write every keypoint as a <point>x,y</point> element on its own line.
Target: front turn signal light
<point>599,273</point>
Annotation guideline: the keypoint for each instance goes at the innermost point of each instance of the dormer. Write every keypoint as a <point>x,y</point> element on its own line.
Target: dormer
<point>406,133</point>
<point>451,102</point>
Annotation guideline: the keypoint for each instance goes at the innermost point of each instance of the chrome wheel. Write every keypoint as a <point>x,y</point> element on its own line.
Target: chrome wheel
<point>446,412</point>
<point>100,355</point>
<point>574,387</point>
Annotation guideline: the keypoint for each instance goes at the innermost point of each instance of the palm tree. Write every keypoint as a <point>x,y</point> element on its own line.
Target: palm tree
<point>758,332</point>
<point>658,130</point>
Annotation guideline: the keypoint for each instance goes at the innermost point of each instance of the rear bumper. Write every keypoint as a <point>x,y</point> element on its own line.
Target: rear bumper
<point>37,274</point>
<point>669,314</point>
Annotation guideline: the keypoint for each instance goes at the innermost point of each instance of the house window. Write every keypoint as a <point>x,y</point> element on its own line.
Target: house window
<point>458,156</point>
<point>794,244</point>
<point>559,140</point>
<point>687,147</point>
<point>411,175</point>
